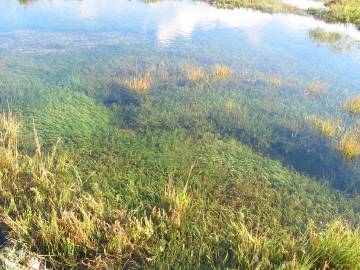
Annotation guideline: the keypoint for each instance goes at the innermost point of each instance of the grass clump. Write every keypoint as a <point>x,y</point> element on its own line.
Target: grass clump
<point>222,72</point>
<point>336,41</point>
<point>325,126</point>
<point>337,247</point>
<point>320,35</point>
<point>316,87</point>
<point>275,81</point>
<point>349,146</point>
<point>195,74</point>
<point>137,84</point>
<point>346,11</point>
<point>353,106</point>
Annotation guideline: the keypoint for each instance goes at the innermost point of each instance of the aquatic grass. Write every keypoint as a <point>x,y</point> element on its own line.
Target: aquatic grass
<point>195,74</point>
<point>139,84</point>
<point>349,146</point>
<point>322,36</point>
<point>122,186</point>
<point>73,223</point>
<point>275,81</point>
<point>336,41</point>
<point>77,219</point>
<point>346,11</point>
<point>325,126</point>
<point>222,72</point>
<point>316,87</point>
<point>229,105</point>
<point>353,106</point>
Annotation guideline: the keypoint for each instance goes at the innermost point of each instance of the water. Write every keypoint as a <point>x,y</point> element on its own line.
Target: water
<point>81,46</point>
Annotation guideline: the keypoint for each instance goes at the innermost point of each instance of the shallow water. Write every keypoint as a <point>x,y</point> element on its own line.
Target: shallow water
<point>59,43</point>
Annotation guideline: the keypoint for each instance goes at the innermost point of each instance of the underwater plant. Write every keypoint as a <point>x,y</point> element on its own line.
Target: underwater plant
<point>325,126</point>
<point>275,81</point>
<point>316,87</point>
<point>349,146</point>
<point>195,74</point>
<point>138,84</point>
<point>222,72</point>
<point>353,106</point>
<point>321,36</point>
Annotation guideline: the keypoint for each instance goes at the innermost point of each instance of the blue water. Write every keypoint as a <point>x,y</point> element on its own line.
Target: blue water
<point>43,37</point>
<point>273,43</point>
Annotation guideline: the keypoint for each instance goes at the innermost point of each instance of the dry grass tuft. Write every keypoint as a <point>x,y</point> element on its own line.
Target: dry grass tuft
<point>222,72</point>
<point>353,106</point>
<point>275,81</point>
<point>316,87</point>
<point>195,74</point>
<point>325,126</point>
<point>349,146</point>
<point>176,203</point>
<point>137,84</point>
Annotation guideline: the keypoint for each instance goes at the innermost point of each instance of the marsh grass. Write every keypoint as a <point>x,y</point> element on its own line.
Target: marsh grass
<point>326,127</point>
<point>353,106</point>
<point>320,35</point>
<point>349,146</point>
<point>346,11</point>
<point>316,87</point>
<point>275,81</point>
<point>79,222</point>
<point>138,84</point>
<point>195,74</point>
<point>119,200</point>
<point>229,105</point>
<point>222,72</point>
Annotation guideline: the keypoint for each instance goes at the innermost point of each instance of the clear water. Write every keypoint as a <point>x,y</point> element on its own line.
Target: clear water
<point>81,43</point>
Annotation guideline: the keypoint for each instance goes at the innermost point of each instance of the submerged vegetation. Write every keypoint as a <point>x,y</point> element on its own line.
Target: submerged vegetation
<point>89,224</point>
<point>353,106</point>
<point>143,181</point>
<point>275,81</point>
<point>176,162</point>
<point>322,36</point>
<point>316,87</point>
<point>325,126</point>
<point>195,74</point>
<point>349,146</point>
<point>140,85</point>
<point>222,72</point>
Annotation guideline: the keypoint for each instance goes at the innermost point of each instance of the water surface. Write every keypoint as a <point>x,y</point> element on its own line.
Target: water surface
<point>83,45</point>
